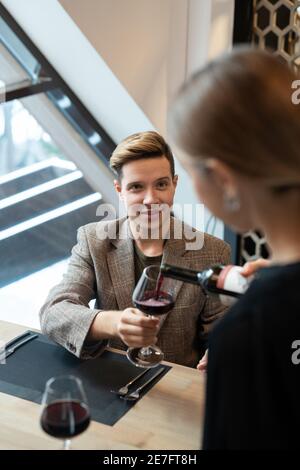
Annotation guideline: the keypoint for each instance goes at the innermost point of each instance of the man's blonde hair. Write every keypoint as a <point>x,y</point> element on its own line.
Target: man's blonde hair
<point>147,144</point>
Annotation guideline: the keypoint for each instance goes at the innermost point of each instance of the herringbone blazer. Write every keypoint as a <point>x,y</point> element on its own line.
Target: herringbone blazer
<point>103,269</point>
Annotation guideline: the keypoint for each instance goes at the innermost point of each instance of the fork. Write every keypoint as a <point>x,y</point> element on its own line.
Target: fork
<point>125,389</point>
<point>135,395</point>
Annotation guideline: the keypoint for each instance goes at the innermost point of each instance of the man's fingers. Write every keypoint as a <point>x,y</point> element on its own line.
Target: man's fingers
<point>202,367</point>
<point>137,330</point>
<point>132,330</point>
<point>202,364</point>
<point>138,342</point>
<point>140,320</point>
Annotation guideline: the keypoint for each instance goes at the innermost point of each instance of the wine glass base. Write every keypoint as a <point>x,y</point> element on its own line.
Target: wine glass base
<point>153,357</point>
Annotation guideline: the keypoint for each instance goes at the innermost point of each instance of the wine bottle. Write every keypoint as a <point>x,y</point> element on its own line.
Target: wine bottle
<point>225,281</point>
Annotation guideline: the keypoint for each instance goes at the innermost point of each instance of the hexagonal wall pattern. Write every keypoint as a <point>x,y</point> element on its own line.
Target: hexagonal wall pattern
<point>253,247</point>
<point>276,26</point>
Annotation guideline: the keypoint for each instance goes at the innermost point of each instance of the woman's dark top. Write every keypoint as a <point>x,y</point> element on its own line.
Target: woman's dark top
<point>253,377</point>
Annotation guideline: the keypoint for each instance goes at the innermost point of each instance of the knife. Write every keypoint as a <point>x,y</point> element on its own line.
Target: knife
<point>10,351</point>
<point>17,338</point>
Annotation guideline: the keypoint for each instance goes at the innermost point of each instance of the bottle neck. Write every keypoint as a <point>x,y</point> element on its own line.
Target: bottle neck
<point>210,278</point>
<point>181,274</point>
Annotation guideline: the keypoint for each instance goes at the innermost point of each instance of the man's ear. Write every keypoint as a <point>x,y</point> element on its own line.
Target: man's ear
<point>117,187</point>
<point>175,180</point>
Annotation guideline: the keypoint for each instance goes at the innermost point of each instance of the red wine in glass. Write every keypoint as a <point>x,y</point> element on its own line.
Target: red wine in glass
<point>153,295</point>
<point>65,419</point>
<point>155,304</point>
<point>65,412</point>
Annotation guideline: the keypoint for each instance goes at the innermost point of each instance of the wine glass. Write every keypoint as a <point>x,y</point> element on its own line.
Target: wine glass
<point>153,295</point>
<point>65,412</point>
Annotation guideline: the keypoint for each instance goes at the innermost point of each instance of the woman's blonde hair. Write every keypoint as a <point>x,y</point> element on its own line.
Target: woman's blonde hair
<point>147,144</point>
<point>239,110</point>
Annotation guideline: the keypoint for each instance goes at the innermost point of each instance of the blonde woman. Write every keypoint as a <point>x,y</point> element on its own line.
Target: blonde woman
<point>238,134</point>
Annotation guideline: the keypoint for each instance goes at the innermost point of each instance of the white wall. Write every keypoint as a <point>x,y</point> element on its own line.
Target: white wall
<point>152,46</point>
<point>132,37</point>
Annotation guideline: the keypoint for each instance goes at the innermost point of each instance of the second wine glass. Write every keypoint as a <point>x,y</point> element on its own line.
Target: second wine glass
<point>65,412</point>
<point>154,296</point>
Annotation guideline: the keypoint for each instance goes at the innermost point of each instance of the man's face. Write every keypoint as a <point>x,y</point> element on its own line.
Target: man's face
<point>146,186</point>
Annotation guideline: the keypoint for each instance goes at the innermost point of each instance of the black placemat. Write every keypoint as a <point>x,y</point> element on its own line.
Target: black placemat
<point>26,371</point>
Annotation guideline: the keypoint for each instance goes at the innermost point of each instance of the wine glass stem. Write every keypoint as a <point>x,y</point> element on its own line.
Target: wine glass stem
<point>67,444</point>
<point>146,351</point>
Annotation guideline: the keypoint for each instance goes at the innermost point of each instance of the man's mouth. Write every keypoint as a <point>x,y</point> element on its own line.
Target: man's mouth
<point>151,213</point>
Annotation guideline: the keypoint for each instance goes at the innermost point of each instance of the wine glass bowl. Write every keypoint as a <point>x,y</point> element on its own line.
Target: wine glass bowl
<point>154,296</point>
<point>65,413</point>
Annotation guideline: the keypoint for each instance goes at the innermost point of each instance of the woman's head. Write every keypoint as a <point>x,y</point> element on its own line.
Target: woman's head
<point>235,122</point>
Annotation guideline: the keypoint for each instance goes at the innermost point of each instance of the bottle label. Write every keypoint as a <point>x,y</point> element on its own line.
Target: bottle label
<point>232,280</point>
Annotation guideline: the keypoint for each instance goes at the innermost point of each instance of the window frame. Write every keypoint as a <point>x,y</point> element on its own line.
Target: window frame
<point>48,81</point>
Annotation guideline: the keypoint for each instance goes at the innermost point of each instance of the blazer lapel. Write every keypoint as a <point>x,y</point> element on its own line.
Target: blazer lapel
<point>173,254</point>
<point>120,262</point>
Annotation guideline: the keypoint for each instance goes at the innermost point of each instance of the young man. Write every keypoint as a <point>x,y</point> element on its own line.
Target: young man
<point>107,268</point>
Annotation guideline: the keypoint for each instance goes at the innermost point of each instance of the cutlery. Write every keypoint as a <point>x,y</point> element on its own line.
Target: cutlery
<point>135,395</point>
<point>11,350</point>
<point>124,390</point>
<point>17,338</point>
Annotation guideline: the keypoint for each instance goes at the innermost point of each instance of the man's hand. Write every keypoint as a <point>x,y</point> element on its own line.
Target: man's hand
<point>251,267</point>
<point>130,325</point>
<point>135,329</point>
<point>202,364</point>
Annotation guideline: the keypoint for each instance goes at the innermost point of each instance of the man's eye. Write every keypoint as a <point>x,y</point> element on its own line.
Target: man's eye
<point>162,184</point>
<point>135,187</point>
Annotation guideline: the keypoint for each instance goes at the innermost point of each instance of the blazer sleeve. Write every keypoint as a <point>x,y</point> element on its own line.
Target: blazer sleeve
<point>66,317</point>
<point>213,309</point>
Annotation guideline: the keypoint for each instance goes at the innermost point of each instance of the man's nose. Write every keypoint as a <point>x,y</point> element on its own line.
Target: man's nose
<point>150,197</point>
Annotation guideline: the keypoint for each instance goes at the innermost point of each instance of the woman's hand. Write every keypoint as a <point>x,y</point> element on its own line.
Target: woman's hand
<point>251,267</point>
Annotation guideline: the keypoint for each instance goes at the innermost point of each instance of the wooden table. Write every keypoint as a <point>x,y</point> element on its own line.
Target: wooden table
<point>169,416</point>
